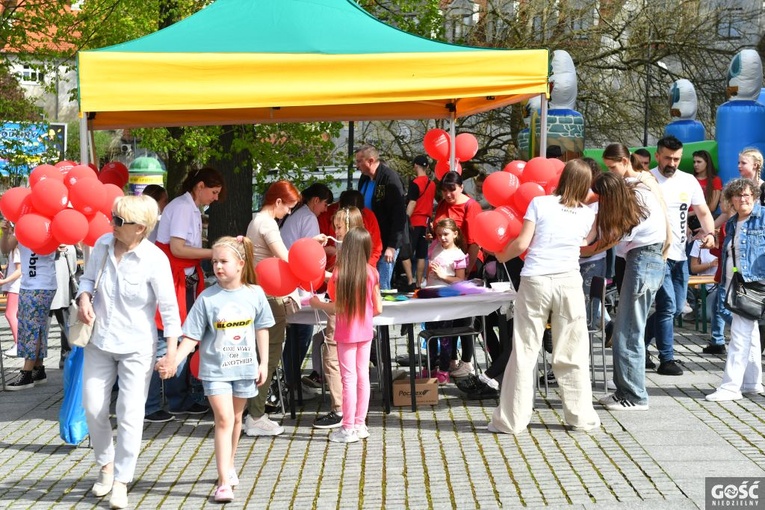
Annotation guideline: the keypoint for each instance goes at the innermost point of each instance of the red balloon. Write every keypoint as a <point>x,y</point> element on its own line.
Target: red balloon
<point>491,231</point>
<point>98,225</point>
<point>498,188</point>
<point>275,276</point>
<point>27,207</point>
<point>93,167</point>
<point>33,231</point>
<point>69,226</point>
<point>194,364</point>
<point>49,247</point>
<point>12,201</point>
<point>465,146</point>
<point>442,166</point>
<point>523,196</point>
<point>111,177</point>
<point>557,165</point>
<point>111,193</point>
<point>42,172</point>
<point>313,286</point>
<point>78,173</point>
<point>552,184</point>
<point>515,167</point>
<point>538,170</point>
<point>87,196</point>
<point>307,259</point>
<point>65,166</point>
<point>121,170</point>
<point>49,196</point>
<point>437,144</point>
<point>514,222</point>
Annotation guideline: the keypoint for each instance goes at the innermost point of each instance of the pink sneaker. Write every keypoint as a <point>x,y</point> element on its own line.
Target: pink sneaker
<point>224,494</point>
<point>442,377</point>
<point>426,373</point>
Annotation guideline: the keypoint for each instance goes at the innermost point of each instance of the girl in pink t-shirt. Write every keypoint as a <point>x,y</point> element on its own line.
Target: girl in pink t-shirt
<point>355,292</point>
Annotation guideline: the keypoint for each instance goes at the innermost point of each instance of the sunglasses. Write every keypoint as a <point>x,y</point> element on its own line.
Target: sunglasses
<point>118,221</point>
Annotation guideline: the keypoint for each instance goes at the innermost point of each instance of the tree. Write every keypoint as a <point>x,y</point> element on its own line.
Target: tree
<point>622,49</point>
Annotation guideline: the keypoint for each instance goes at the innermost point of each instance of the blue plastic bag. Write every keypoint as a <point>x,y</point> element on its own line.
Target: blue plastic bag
<point>73,427</point>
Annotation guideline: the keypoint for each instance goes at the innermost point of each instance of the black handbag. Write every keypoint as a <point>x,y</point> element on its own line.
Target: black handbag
<point>746,299</point>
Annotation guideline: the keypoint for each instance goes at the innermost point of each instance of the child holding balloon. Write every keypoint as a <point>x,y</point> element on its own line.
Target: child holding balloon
<point>355,292</point>
<point>227,321</point>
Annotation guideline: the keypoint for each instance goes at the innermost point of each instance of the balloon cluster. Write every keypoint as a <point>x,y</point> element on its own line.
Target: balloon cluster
<point>305,269</point>
<point>510,192</point>
<point>65,204</point>
<point>437,144</point>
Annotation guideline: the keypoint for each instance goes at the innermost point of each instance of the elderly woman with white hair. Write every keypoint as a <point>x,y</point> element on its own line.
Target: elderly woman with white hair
<point>132,280</point>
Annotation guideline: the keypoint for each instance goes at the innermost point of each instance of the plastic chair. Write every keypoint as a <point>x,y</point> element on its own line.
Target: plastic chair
<point>598,328</point>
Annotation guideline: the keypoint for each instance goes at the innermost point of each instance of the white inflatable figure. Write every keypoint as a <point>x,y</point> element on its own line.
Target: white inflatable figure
<point>565,126</point>
<point>563,85</point>
<point>683,106</point>
<point>740,121</point>
<point>530,108</point>
<point>745,76</point>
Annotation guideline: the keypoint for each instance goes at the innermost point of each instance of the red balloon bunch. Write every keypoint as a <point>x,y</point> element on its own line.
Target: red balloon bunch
<point>65,204</point>
<point>307,261</point>
<point>437,144</point>
<point>510,192</point>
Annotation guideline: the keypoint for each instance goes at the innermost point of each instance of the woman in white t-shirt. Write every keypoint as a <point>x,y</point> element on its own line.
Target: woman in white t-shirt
<point>554,229</point>
<point>10,286</point>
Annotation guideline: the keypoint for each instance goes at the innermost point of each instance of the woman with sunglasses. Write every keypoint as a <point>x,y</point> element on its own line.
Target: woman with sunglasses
<point>179,235</point>
<point>126,281</point>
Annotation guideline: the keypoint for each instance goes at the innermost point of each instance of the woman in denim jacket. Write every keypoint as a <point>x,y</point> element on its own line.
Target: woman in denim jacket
<point>744,238</point>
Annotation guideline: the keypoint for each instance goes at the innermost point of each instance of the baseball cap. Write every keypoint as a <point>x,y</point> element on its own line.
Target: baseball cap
<point>421,161</point>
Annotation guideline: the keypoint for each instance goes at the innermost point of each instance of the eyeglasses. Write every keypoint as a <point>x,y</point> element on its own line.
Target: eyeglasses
<point>118,221</point>
<point>743,196</point>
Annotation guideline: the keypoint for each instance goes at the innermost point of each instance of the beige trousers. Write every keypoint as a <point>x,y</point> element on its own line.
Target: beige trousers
<point>331,365</point>
<point>559,295</point>
<point>276,334</point>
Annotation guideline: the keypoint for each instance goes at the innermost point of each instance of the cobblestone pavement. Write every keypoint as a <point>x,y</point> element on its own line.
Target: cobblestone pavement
<point>439,457</point>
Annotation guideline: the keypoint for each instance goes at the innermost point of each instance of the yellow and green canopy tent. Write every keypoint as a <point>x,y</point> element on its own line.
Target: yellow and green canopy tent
<point>259,61</point>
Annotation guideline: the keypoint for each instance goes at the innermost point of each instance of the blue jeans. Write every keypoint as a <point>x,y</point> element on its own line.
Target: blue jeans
<point>588,270</point>
<point>386,270</point>
<point>179,398</point>
<point>719,316</point>
<point>670,300</point>
<point>643,277</point>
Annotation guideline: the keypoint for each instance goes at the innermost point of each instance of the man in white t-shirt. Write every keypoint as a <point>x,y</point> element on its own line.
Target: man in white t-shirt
<point>681,190</point>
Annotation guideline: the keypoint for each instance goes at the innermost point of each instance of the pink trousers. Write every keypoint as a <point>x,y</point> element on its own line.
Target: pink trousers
<point>354,372</point>
<point>11,311</point>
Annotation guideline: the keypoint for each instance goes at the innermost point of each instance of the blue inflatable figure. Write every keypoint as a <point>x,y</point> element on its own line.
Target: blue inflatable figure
<point>683,106</point>
<point>565,126</point>
<point>741,120</point>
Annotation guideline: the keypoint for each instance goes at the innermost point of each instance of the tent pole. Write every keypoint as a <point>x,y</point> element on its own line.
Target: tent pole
<point>84,138</point>
<point>543,128</point>
<point>351,153</point>
<point>452,136</point>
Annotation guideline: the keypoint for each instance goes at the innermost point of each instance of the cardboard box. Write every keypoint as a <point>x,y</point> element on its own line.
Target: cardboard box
<point>425,389</point>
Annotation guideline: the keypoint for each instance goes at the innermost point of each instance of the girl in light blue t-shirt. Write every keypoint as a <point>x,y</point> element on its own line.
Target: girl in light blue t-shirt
<point>229,321</point>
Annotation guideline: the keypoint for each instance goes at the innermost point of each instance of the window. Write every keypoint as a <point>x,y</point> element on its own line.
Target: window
<point>30,74</point>
<point>730,23</point>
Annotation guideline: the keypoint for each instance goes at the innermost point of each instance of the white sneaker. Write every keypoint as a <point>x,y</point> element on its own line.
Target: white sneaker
<point>606,399</point>
<point>463,370</point>
<point>617,404</point>
<point>722,395</point>
<point>11,352</point>
<point>362,431</point>
<point>233,478</point>
<point>753,391</point>
<point>488,381</point>
<point>261,427</point>
<point>611,385</point>
<point>687,308</point>
<point>344,435</point>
